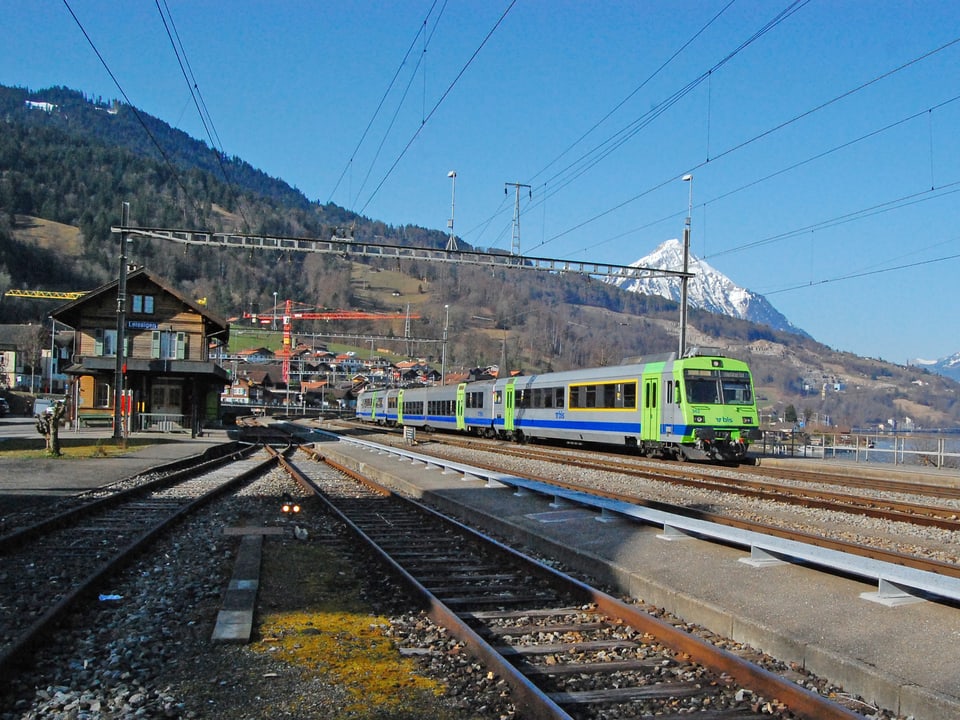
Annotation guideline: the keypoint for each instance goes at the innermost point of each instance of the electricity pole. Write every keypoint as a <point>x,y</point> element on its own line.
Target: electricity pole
<point>121,326</point>
<point>452,240</point>
<point>515,246</point>
<point>686,265</point>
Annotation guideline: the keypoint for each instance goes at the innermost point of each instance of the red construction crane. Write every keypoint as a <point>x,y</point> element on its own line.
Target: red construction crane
<point>306,312</point>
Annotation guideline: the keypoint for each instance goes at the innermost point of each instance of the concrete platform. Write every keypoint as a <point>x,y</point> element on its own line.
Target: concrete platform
<point>64,476</point>
<point>905,659</point>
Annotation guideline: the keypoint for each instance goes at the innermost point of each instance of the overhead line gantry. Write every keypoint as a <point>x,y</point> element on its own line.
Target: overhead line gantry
<point>350,248</point>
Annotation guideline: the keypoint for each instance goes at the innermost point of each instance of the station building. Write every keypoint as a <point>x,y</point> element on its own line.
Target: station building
<point>169,361</point>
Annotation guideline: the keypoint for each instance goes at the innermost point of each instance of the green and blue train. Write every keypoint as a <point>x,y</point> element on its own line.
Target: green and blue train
<point>700,406</point>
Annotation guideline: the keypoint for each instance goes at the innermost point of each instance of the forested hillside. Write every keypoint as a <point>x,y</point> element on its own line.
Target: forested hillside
<point>66,168</point>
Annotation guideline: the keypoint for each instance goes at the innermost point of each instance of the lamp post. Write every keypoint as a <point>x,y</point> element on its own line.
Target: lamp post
<point>53,337</point>
<point>452,240</point>
<point>686,265</point>
<point>443,346</point>
<point>273,322</point>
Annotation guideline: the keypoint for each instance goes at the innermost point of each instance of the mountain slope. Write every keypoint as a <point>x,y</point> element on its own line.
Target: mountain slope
<point>64,174</point>
<point>708,290</point>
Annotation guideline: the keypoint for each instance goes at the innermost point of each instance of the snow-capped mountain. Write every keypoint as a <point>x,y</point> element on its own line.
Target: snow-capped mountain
<point>948,366</point>
<point>708,289</point>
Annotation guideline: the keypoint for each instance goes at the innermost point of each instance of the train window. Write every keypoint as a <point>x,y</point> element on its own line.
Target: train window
<point>668,392</point>
<point>558,397</point>
<point>498,397</point>
<point>609,398</point>
<point>589,396</point>
<point>703,390</point>
<point>736,388</point>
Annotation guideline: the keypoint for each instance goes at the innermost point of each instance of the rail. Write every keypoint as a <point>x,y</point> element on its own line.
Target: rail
<point>464,617</point>
<point>896,584</point>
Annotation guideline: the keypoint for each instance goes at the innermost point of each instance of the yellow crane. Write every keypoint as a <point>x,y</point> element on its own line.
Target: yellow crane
<point>45,294</point>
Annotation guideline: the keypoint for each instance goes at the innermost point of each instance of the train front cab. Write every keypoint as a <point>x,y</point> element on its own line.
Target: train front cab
<point>715,409</point>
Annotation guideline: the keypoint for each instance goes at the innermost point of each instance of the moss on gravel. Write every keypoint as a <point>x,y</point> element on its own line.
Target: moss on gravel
<point>316,620</point>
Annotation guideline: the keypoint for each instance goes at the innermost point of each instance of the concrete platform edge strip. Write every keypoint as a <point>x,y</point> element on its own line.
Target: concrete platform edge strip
<point>235,619</point>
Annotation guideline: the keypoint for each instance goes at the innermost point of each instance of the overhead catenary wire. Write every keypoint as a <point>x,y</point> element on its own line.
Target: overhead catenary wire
<point>163,154</point>
<point>637,89</point>
<point>849,217</point>
<point>437,105</point>
<point>766,133</point>
<point>572,171</point>
<point>545,194</point>
<point>396,113</point>
<point>194,88</point>
<point>383,100</point>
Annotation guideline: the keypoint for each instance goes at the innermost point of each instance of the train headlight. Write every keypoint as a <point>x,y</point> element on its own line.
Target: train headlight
<point>699,419</point>
<point>289,507</point>
<point>748,421</point>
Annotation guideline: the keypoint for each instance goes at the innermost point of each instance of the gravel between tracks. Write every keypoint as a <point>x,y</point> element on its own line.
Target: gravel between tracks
<point>149,653</point>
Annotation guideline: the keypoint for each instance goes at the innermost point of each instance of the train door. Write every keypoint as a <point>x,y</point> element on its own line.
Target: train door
<point>461,404</point>
<point>650,420</point>
<point>400,407</point>
<point>509,403</point>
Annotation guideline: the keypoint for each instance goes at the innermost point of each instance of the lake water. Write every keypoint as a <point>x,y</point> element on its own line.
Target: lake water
<point>920,449</point>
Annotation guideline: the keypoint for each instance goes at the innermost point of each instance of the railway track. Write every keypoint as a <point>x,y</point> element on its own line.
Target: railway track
<point>869,497</point>
<point>567,650</point>
<point>52,565</point>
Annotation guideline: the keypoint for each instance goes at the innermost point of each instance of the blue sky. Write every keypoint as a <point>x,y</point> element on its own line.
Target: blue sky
<point>824,147</point>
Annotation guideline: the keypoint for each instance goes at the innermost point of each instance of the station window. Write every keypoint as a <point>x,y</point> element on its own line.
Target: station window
<point>142,304</point>
<point>101,395</point>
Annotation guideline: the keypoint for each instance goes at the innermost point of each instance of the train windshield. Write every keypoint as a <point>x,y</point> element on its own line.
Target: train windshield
<point>713,387</point>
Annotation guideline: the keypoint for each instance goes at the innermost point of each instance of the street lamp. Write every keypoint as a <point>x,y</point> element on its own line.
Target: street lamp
<point>452,240</point>
<point>443,347</point>
<point>686,265</point>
